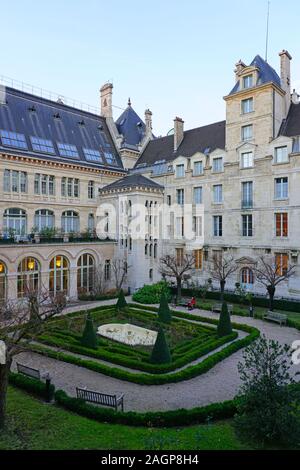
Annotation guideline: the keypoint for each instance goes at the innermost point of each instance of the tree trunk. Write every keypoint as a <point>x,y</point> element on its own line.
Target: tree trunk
<point>271,292</point>
<point>4,371</point>
<point>178,300</point>
<point>222,288</point>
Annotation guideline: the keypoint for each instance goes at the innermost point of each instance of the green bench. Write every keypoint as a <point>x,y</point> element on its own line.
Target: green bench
<point>277,317</point>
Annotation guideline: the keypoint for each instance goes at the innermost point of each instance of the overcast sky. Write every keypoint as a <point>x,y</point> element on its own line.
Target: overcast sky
<point>174,56</point>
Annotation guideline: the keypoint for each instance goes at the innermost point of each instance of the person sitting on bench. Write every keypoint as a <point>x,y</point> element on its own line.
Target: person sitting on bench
<point>191,304</point>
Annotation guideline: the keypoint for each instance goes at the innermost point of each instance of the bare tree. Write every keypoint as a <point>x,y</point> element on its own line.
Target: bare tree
<point>171,266</point>
<point>221,267</point>
<point>119,269</point>
<point>20,324</point>
<point>99,284</point>
<point>269,273</point>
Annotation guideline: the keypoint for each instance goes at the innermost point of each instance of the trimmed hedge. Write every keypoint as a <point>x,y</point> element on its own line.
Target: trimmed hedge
<point>150,294</point>
<point>159,379</point>
<point>181,417</point>
<point>279,304</point>
<point>33,386</point>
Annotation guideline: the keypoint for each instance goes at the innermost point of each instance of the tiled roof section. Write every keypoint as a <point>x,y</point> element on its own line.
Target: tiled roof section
<point>131,126</point>
<point>202,139</point>
<point>132,181</point>
<point>33,116</point>
<point>291,126</point>
<point>266,74</point>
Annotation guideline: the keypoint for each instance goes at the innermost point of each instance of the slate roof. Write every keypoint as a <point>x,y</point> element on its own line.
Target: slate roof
<point>132,181</point>
<point>266,74</point>
<point>202,139</point>
<point>131,126</point>
<point>34,116</point>
<point>291,126</point>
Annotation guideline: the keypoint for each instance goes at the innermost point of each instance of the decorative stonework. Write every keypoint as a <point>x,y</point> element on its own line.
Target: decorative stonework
<point>128,334</point>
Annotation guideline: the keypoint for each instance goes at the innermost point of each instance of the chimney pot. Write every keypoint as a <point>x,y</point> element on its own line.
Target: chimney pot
<point>106,100</point>
<point>148,121</point>
<point>178,132</point>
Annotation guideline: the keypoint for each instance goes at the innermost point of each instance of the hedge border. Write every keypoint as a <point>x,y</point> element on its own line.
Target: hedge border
<point>280,304</point>
<point>31,385</point>
<point>198,350</point>
<point>159,379</point>
<point>180,417</point>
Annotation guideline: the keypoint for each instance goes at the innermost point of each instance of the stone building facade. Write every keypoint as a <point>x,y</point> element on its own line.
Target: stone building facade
<point>239,177</point>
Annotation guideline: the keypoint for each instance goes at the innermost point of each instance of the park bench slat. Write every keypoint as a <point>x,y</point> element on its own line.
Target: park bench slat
<point>276,317</point>
<point>100,398</point>
<point>28,371</point>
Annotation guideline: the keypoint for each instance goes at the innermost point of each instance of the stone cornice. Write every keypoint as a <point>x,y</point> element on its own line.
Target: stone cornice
<point>59,164</point>
<point>248,91</point>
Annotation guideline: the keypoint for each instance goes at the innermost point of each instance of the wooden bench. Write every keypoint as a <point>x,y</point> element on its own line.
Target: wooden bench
<point>217,308</point>
<point>101,398</point>
<point>277,317</point>
<point>29,371</point>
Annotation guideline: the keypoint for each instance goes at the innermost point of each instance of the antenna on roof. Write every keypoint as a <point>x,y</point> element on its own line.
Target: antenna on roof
<point>267,33</point>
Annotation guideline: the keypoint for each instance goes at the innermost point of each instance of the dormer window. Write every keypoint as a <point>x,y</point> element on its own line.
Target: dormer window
<point>217,165</point>
<point>281,154</point>
<point>180,171</point>
<point>198,168</point>
<point>248,81</point>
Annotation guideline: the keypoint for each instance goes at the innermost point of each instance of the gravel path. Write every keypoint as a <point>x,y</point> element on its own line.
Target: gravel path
<point>218,384</point>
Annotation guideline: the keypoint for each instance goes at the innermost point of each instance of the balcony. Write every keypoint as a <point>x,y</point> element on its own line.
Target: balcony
<point>55,239</point>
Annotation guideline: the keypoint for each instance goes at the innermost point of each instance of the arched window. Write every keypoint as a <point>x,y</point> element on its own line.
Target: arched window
<point>151,273</point>
<point>3,274</point>
<point>129,209</point>
<point>59,274</point>
<point>70,221</point>
<point>44,218</point>
<point>155,250</point>
<point>91,223</point>
<point>130,242</point>
<point>247,278</point>
<point>85,273</point>
<point>150,250</point>
<point>28,276</point>
<point>14,222</point>
<point>146,249</point>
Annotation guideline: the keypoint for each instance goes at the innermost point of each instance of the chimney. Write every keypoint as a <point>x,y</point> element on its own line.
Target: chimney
<point>239,66</point>
<point>106,100</point>
<point>285,77</point>
<point>148,121</point>
<point>178,132</point>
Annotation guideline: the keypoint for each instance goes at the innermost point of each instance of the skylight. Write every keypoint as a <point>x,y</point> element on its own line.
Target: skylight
<point>42,145</point>
<point>12,139</point>
<point>110,158</point>
<point>67,150</point>
<point>92,155</point>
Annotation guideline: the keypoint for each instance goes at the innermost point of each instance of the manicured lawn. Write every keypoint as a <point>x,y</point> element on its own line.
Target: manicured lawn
<point>243,310</point>
<point>35,425</point>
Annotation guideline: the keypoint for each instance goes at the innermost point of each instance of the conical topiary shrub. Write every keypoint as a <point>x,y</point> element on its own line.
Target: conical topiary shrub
<point>164,313</point>
<point>121,303</point>
<point>224,325</point>
<point>160,352</point>
<point>89,338</point>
